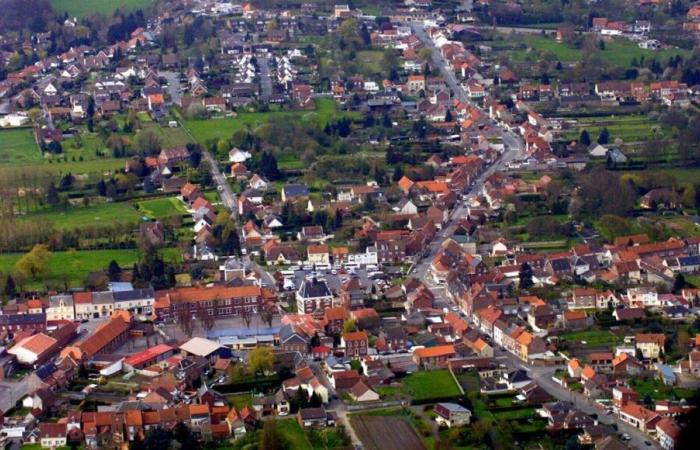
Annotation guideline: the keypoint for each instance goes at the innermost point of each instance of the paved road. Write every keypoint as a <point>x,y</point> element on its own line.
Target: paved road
<point>173,86</point>
<point>265,81</point>
<point>228,198</point>
<point>514,147</point>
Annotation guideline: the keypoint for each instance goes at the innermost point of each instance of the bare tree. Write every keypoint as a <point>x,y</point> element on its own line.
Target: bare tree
<point>184,319</point>
<point>246,316</point>
<point>267,313</point>
<point>206,318</point>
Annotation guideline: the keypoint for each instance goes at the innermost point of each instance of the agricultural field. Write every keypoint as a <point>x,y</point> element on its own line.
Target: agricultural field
<point>17,146</point>
<point>74,266</point>
<point>81,8</point>
<point>631,128</point>
<point>162,207</point>
<point>424,385</point>
<point>75,217</point>
<point>382,432</point>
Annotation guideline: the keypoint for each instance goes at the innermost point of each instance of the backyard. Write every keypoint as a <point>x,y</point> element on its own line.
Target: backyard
<point>424,385</point>
<point>162,207</point>
<point>590,338</point>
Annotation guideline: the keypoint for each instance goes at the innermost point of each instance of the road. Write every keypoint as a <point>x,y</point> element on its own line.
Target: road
<point>514,148</point>
<point>174,89</point>
<point>228,198</point>
<point>265,81</point>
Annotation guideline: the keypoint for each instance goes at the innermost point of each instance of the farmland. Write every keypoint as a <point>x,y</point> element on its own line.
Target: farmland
<point>381,432</point>
<point>81,8</point>
<point>17,146</point>
<point>632,128</point>
<point>100,214</point>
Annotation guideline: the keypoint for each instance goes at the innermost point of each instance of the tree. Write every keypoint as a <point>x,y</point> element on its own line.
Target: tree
<point>35,263</point>
<point>10,288</point>
<point>349,326</point>
<point>612,226</point>
<point>585,138</point>
<point>679,283</point>
<point>247,317</point>
<point>525,276</point>
<point>52,197</point>
<point>148,142</point>
<point>261,360</point>
<point>270,437</point>
<point>267,314</point>
<point>114,270</point>
<point>604,136</point>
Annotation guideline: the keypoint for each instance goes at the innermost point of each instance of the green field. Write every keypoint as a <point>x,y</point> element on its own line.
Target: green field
<point>207,129</point>
<point>17,146</point>
<point>632,128</point>
<point>75,217</point>
<point>592,338</point>
<point>97,167</point>
<point>424,385</point>
<point>162,207</point>
<point>81,8</point>
<point>657,390</point>
<point>681,174</point>
<point>618,52</point>
<point>74,266</point>
<point>293,434</point>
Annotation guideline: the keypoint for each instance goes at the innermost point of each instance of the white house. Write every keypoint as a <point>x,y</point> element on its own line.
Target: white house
<point>14,120</point>
<point>237,155</point>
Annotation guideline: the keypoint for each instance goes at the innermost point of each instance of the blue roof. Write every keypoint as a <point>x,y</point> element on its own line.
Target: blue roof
<point>242,332</point>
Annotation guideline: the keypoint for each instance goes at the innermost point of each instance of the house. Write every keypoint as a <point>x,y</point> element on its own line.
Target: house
<point>318,254</point>
<point>452,414</point>
<point>433,356</point>
<point>625,314</point>
<point>667,432</point>
<point>294,192</point>
<point>314,418</point>
<point>639,417</point>
<point>650,344</point>
<point>53,435</point>
<point>355,344</point>
<point>363,393</point>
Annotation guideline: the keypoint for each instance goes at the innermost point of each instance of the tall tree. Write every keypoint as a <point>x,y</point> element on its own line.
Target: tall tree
<point>525,276</point>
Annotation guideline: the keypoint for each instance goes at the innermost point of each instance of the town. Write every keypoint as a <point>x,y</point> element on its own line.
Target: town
<point>415,224</point>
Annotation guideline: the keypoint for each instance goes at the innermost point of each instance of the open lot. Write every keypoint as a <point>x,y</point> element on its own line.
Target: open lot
<point>101,214</point>
<point>80,8</point>
<point>162,207</point>
<point>590,338</point>
<point>204,130</point>
<point>74,266</point>
<point>17,146</point>
<point>294,434</point>
<point>424,385</point>
<point>657,390</point>
<point>617,52</point>
<point>385,432</point>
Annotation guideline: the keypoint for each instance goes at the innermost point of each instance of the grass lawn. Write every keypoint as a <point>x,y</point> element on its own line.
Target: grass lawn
<point>162,207</point>
<point>80,8</point>
<point>522,413</point>
<point>683,175</point>
<point>75,265</point>
<point>74,217</point>
<point>618,52</point>
<point>96,167</point>
<point>657,390</point>
<point>17,146</point>
<point>207,129</point>
<point>293,433</point>
<point>425,384</point>
<point>239,401</point>
<point>592,338</point>
<point>371,60</point>
<point>504,402</point>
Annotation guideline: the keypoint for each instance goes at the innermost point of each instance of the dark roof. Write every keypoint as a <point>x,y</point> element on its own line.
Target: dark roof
<point>312,414</point>
<point>314,288</point>
<point>134,294</point>
<point>22,319</point>
<point>296,190</point>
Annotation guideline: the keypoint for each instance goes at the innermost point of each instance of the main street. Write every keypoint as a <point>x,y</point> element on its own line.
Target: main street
<point>513,148</point>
